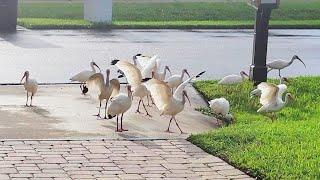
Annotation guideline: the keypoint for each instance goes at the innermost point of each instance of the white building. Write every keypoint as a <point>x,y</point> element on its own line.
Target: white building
<point>99,11</point>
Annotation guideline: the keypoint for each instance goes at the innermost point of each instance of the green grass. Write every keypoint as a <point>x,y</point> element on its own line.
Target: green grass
<point>285,149</point>
<point>292,14</point>
<point>49,23</point>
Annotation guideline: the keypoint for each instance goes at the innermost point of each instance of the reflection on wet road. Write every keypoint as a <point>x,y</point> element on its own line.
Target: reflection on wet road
<point>54,55</point>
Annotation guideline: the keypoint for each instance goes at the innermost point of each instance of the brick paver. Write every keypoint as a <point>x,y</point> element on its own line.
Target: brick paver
<point>111,159</point>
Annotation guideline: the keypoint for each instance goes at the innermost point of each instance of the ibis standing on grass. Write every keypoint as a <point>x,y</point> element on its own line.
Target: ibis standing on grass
<point>84,76</point>
<point>234,79</point>
<point>108,88</point>
<point>271,97</point>
<point>30,85</point>
<point>220,108</point>
<point>257,92</point>
<point>281,64</point>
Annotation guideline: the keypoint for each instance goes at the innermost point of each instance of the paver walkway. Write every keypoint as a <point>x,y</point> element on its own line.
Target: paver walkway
<point>110,159</point>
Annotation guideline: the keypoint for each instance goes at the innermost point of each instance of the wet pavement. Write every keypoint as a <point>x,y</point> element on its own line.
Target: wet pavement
<point>53,56</point>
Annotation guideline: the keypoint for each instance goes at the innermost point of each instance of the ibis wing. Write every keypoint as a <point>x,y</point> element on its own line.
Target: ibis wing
<point>143,60</point>
<point>150,66</point>
<point>277,64</point>
<point>160,93</point>
<point>178,92</point>
<point>131,72</point>
<point>97,80</point>
<point>269,93</point>
<point>82,76</point>
<point>116,87</point>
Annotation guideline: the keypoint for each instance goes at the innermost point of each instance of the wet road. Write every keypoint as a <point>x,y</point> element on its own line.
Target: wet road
<point>53,56</point>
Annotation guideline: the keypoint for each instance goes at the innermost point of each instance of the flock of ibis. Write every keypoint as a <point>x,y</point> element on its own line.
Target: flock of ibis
<point>148,80</point>
<point>271,95</point>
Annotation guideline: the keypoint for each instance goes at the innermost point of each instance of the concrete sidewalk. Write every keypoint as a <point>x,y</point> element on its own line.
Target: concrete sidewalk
<point>60,139</point>
<point>111,159</point>
<point>62,112</point>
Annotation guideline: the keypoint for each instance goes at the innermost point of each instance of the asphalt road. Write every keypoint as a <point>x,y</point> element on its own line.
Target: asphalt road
<point>52,56</point>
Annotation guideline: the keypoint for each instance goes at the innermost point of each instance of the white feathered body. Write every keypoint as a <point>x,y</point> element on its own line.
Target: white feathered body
<point>174,81</point>
<point>220,106</point>
<point>107,88</point>
<point>278,64</point>
<point>146,72</point>
<point>231,79</point>
<point>119,105</point>
<point>82,76</point>
<point>173,108</point>
<point>31,86</point>
<point>140,91</point>
<point>134,78</point>
<point>271,97</point>
<point>160,76</point>
<point>108,92</point>
<point>272,107</point>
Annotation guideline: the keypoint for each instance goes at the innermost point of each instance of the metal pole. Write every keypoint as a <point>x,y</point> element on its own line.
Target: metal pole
<point>260,47</point>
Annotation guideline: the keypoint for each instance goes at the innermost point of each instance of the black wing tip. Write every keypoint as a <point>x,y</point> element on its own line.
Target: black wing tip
<point>110,117</point>
<point>200,74</point>
<point>120,76</point>
<point>114,62</point>
<point>146,79</point>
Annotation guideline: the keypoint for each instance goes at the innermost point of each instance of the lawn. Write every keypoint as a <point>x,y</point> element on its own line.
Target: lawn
<point>285,149</point>
<point>175,15</point>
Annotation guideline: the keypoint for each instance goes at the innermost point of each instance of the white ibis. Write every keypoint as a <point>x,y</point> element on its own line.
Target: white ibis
<point>257,92</point>
<point>175,80</point>
<point>84,76</point>
<point>149,67</point>
<point>164,100</point>
<point>167,103</point>
<point>134,78</point>
<point>30,85</point>
<point>108,88</point>
<point>234,79</point>
<point>221,107</point>
<point>281,64</point>
<point>142,58</point>
<point>119,105</point>
<point>271,97</point>
<point>141,61</point>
